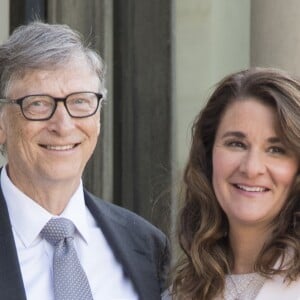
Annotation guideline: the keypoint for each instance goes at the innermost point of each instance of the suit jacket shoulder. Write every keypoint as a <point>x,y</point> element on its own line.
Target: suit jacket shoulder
<point>140,247</point>
<point>126,217</point>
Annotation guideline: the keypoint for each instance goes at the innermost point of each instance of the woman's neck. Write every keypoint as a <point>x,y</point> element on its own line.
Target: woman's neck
<point>246,244</point>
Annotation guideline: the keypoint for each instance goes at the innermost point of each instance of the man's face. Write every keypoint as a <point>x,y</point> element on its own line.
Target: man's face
<point>47,152</point>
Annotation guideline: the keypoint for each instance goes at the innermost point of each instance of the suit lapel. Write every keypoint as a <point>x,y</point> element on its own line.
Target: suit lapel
<point>129,250</point>
<point>11,283</point>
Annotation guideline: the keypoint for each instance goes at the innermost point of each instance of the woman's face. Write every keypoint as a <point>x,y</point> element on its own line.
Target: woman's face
<point>253,170</point>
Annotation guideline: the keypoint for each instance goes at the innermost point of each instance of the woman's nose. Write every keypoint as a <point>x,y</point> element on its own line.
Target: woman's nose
<point>253,164</point>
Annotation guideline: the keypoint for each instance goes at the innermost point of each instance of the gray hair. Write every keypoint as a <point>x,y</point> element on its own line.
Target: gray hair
<point>43,46</point>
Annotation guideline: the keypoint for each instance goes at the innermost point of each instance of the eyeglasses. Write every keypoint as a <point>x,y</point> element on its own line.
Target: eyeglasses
<point>42,107</point>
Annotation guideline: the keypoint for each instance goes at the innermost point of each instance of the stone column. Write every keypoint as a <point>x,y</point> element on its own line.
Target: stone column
<point>22,12</point>
<point>4,20</point>
<point>275,37</point>
<point>93,18</point>
<point>4,30</point>
<point>143,108</point>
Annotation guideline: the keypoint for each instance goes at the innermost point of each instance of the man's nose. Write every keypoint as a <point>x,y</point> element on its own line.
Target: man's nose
<point>61,120</point>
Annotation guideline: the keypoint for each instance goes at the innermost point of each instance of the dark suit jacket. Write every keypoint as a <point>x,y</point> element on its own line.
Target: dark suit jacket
<point>140,248</point>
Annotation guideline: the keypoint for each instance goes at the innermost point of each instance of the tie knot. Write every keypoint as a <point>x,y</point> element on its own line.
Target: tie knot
<point>58,229</point>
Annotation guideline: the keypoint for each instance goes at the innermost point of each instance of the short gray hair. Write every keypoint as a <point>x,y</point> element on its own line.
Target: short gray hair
<point>42,46</point>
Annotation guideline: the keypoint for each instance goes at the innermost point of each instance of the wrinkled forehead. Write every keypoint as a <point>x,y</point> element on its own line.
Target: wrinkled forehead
<point>76,75</point>
<point>62,69</point>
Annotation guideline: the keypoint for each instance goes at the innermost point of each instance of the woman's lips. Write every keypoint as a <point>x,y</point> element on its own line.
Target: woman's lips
<point>253,189</point>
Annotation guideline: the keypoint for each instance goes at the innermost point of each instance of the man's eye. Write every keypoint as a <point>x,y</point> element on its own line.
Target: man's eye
<point>79,101</point>
<point>37,103</point>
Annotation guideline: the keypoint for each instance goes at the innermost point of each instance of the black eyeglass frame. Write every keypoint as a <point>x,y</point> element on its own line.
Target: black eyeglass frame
<point>19,102</point>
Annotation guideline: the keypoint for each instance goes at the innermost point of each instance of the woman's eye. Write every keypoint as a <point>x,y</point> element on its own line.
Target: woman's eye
<point>277,150</point>
<point>235,144</point>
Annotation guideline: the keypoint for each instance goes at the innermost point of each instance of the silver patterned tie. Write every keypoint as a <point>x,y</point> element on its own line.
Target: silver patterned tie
<point>70,281</point>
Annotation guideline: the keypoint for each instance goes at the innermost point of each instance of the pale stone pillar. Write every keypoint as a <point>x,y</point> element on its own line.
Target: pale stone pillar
<point>132,163</point>
<point>275,35</point>
<point>94,19</point>
<point>4,30</point>
<point>212,40</point>
<point>4,20</point>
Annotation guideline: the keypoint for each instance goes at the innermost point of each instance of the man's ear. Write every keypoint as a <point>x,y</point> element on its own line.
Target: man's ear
<point>3,133</point>
<point>98,128</point>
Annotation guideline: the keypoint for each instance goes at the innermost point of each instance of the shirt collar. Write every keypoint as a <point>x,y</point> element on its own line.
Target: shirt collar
<point>28,218</point>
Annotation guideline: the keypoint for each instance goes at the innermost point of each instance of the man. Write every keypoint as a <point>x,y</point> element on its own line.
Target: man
<point>51,90</point>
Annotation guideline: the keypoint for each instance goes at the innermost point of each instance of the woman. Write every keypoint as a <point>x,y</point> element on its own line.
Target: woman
<point>238,227</point>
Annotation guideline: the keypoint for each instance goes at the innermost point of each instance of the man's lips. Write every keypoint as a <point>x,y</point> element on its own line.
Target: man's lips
<point>253,189</point>
<point>59,147</point>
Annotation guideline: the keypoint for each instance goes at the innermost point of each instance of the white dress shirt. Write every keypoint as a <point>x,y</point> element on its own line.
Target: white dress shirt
<point>105,274</point>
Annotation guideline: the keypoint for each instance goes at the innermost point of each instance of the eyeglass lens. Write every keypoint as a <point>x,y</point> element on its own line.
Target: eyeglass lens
<point>43,106</point>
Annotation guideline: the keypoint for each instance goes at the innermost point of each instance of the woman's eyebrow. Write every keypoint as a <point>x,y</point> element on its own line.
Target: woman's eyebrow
<point>237,134</point>
<point>241,135</point>
<point>274,140</point>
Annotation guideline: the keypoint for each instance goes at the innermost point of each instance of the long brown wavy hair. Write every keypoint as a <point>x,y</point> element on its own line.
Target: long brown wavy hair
<point>207,256</point>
